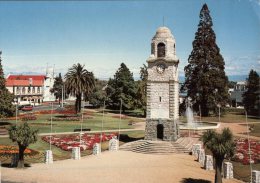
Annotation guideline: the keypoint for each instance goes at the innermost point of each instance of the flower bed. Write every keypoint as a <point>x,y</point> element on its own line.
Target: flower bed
<point>67,142</point>
<point>6,150</point>
<point>66,118</point>
<point>28,117</point>
<point>242,153</point>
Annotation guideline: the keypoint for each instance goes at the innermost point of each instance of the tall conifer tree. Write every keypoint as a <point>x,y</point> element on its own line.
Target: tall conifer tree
<point>206,81</point>
<point>122,87</point>
<point>6,98</point>
<point>251,98</point>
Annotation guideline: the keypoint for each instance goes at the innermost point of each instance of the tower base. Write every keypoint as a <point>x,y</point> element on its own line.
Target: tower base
<point>161,129</point>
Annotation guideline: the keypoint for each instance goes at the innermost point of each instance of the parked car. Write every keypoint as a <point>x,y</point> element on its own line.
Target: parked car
<point>27,108</point>
<point>22,106</point>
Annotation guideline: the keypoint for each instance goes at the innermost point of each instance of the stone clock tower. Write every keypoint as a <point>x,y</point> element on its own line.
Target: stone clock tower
<point>162,88</point>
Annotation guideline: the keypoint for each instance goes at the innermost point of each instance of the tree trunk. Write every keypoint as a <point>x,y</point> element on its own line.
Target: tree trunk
<point>218,170</point>
<point>79,103</point>
<point>76,105</point>
<point>204,109</point>
<point>21,156</point>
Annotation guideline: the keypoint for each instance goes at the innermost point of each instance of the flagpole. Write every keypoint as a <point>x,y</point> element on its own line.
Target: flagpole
<point>249,148</point>
<point>102,124</point>
<point>81,124</point>
<point>51,124</point>
<point>119,125</point>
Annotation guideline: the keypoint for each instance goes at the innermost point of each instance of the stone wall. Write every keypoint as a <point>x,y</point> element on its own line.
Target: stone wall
<point>169,132</point>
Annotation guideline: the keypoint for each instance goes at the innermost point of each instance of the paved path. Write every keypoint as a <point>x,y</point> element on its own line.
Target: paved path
<point>115,167</point>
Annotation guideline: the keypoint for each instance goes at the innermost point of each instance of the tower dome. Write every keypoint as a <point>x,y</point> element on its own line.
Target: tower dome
<point>163,45</point>
<point>163,32</point>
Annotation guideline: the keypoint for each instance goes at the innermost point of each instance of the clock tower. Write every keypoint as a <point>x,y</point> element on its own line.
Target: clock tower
<point>162,88</point>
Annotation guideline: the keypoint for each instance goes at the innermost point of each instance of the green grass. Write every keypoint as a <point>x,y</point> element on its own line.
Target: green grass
<point>242,172</point>
<point>230,117</point>
<point>110,123</point>
<point>255,130</point>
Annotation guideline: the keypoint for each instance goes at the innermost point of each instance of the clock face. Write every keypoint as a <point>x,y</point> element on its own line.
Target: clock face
<point>160,68</point>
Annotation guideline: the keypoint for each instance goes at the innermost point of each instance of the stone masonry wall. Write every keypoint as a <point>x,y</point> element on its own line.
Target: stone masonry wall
<point>169,133</point>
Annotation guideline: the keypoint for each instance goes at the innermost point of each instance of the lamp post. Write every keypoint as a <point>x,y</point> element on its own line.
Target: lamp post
<point>219,112</point>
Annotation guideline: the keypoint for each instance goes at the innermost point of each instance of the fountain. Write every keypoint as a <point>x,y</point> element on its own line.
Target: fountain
<point>192,124</point>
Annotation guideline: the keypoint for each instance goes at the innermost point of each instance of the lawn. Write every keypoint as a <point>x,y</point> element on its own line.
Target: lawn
<point>255,130</point>
<point>242,172</point>
<point>92,122</point>
<point>230,117</point>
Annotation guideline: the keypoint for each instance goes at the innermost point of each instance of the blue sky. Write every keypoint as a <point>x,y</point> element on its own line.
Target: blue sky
<point>102,34</point>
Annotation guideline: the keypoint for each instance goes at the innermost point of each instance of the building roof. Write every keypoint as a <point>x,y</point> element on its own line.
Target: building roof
<point>25,80</point>
<point>24,83</point>
<point>26,77</point>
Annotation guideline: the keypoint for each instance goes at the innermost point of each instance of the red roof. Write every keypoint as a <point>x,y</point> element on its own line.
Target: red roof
<point>23,80</point>
<point>24,83</point>
<point>26,77</point>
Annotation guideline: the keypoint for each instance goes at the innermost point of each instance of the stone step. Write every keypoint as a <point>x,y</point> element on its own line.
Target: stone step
<point>154,147</point>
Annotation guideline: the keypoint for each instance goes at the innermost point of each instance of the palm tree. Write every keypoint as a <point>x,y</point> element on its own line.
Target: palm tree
<point>79,82</point>
<point>221,145</point>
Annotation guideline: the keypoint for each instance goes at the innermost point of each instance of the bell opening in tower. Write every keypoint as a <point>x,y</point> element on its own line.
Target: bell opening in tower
<point>161,50</point>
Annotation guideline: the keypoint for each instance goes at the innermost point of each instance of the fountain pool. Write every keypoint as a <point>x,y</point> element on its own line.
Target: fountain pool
<point>194,125</point>
<point>199,126</point>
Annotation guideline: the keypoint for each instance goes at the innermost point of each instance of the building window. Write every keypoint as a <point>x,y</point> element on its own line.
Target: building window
<point>23,90</point>
<point>33,90</point>
<point>29,89</point>
<point>161,50</point>
<point>18,90</point>
<point>160,99</point>
<point>38,90</point>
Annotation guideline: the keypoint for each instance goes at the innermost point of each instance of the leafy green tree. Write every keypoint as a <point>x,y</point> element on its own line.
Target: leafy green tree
<point>79,82</point>
<point>206,81</point>
<point>141,89</point>
<point>221,145</point>
<point>57,88</point>
<point>98,96</point>
<point>24,136</point>
<point>251,98</point>
<point>6,98</point>
<point>122,87</point>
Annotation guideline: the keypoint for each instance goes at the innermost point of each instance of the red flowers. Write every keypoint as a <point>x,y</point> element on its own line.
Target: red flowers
<point>67,142</point>
<point>242,151</point>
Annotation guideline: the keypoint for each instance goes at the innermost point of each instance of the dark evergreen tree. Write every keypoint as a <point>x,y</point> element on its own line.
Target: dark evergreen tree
<point>57,88</point>
<point>6,98</point>
<point>141,89</point>
<point>98,96</point>
<point>122,86</point>
<point>206,81</point>
<point>251,98</point>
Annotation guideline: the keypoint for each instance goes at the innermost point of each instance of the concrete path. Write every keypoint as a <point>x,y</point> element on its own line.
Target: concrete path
<point>115,167</point>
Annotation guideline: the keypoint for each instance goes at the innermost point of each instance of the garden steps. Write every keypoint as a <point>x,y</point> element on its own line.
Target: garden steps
<point>154,147</point>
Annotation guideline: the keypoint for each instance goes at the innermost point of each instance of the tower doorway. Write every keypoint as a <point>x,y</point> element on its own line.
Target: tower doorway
<point>160,131</point>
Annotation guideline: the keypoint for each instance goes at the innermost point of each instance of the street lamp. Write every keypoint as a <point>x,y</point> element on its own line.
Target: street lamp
<point>219,112</point>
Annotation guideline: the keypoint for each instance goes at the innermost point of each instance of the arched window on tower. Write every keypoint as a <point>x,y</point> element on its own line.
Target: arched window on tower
<point>161,50</point>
